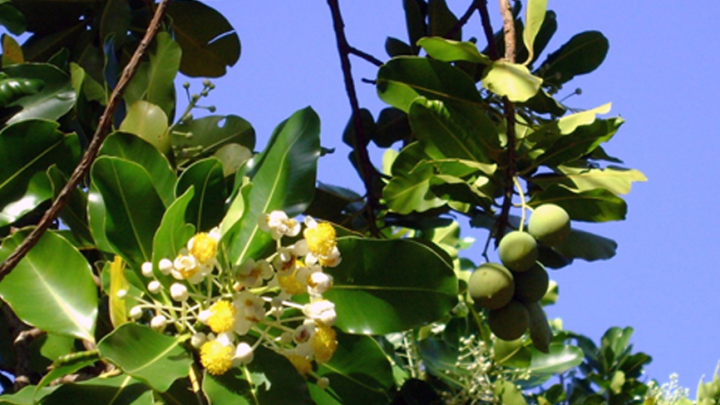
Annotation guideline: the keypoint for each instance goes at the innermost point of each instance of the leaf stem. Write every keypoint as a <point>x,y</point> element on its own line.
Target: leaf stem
<point>104,126</point>
<point>523,205</point>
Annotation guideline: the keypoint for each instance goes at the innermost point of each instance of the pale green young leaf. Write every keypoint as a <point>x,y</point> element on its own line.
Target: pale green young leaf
<point>511,80</point>
<point>534,17</point>
<point>448,50</point>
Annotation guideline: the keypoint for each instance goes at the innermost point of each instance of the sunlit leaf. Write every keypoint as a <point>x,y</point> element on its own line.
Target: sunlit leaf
<point>534,18</point>
<point>597,205</point>
<point>202,137</point>
<point>149,122</point>
<point>560,359</point>
<point>410,192</point>
<point>448,50</point>
<point>156,359</point>
<point>118,282</point>
<point>384,286</point>
<point>54,276</point>
<point>511,80</point>
<point>508,393</point>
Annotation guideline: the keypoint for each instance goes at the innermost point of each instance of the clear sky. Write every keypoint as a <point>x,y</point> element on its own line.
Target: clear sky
<point>660,74</point>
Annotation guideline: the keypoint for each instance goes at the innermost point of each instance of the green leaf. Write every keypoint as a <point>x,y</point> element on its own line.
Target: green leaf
<point>384,286</point>
<point>154,80</point>
<point>512,353</point>
<point>395,47</point>
<point>97,217</point>
<point>119,390</point>
<point>202,137</point>
<point>560,359</point>
<point>65,288</point>
<point>232,156</point>
<point>69,367</point>
<point>269,379</point>
<point>508,393</point>
<point>74,214</point>
<point>173,233</point>
<point>569,123</point>
<point>133,207</point>
<point>534,18</point>
<point>283,179</point>
<point>410,192</point>
<point>12,53</point>
<point>447,50</point>
<point>12,19</point>
<point>207,207</point>
<point>115,20</point>
<point>441,19</point>
<point>151,357</point>
<point>617,180</point>
<point>149,122</point>
<point>455,129</point>
<point>27,149</point>
<point>392,126</point>
<point>207,39</point>
<point>56,98</point>
<point>403,79</point>
<point>359,372</point>
<point>592,206</point>
<point>511,80</point>
<point>26,396</point>
<point>415,13</point>
<point>582,54</point>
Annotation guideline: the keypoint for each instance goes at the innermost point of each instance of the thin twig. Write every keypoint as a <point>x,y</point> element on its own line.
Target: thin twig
<point>463,19</point>
<point>488,30</point>
<point>101,133</point>
<point>509,112</point>
<point>368,172</point>
<point>375,61</point>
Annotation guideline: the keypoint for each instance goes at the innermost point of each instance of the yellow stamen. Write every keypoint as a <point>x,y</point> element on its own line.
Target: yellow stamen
<point>216,357</point>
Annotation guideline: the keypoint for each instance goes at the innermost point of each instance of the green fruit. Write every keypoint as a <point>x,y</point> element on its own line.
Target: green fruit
<point>509,322</point>
<point>549,224</point>
<point>531,285</point>
<point>518,251</point>
<point>491,286</point>
<point>540,331</point>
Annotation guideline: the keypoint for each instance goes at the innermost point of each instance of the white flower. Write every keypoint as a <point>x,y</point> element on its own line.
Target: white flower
<point>250,310</point>
<point>147,269</point>
<point>285,262</point>
<point>158,322</point>
<point>243,354</point>
<point>165,266</point>
<point>204,316</point>
<point>251,274</point>
<point>323,311</point>
<point>279,225</point>
<point>178,292</point>
<point>154,287</point>
<point>304,332</point>
<point>319,282</point>
<point>198,339</point>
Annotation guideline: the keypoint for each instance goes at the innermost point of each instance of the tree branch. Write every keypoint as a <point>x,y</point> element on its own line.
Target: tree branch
<point>488,30</point>
<point>368,172</point>
<point>375,61</point>
<point>464,18</point>
<point>104,126</point>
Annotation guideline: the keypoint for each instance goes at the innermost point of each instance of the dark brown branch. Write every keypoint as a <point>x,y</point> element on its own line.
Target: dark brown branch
<point>101,133</point>
<point>509,112</point>
<point>368,172</point>
<point>488,30</point>
<point>375,61</point>
<point>463,19</point>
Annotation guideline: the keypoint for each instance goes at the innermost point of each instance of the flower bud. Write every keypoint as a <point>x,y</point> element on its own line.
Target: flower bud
<point>154,287</point>
<point>165,266</point>
<point>158,322</point>
<point>178,292</point>
<point>147,269</point>
<point>135,312</point>
<point>323,383</point>
<point>243,353</point>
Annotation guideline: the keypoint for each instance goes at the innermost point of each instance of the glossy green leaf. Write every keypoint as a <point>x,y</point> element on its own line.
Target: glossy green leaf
<point>232,156</point>
<point>395,47</point>
<point>617,180</point>
<point>134,149</point>
<point>511,80</point>
<point>12,19</point>
<point>54,100</point>
<point>173,232</point>
<point>154,80</point>
<point>410,192</point>
<point>283,179</point>
<point>569,123</point>
<point>441,358</point>
<point>208,41</point>
<point>119,390</point>
<point>508,393</point>
<point>269,379</point>
<point>403,79</point>
<point>411,156</point>
<point>56,276</point>
<point>448,50</point>
<point>149,122</point>
<point>415,13</point>
<point>155,359</point>
<point>582,54</point>
<point>534,17</point>
<point>592,206</point>
<point>115,20</point>
<point>74,214</point>
<point>202,137</point>
<point>64,369</point>
<point>207,207</point>
<point>441,19</point>
<point>512,353</point>
<point>97,218</point>
<point>359,372</point>
<point>456,130</point>
<point>27,150</point>
<point>26,396</point>
<point>560,359</point>
<point>384,286</point>
<point>133,207</point>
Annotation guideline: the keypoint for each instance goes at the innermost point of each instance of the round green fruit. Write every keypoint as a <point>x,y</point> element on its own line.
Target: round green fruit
<point>531,285</point>
<point>491,286</point>
<point>549,224</point>
<point>509,322</point>
<point>518,251</point>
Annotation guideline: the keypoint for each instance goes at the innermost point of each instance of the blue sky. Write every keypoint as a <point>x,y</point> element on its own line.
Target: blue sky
<point>660,74</point>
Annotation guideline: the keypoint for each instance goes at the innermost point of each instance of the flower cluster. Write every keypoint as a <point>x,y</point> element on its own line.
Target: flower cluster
<point>230,310</point>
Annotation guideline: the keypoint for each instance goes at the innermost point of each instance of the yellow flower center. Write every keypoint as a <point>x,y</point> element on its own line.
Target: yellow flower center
<point>324,343</point>
<point>290,283</point>
<point>222,316</point>
<point>204,247</point>
<point>320,239</point>
<point>302,364</point>
<point>216,357</point>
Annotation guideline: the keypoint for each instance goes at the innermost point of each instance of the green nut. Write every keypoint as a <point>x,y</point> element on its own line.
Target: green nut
<point>518,251</point>
<point>549,224</point>
<point>491,286</point>
<point>531,285</point>
<point>509,322</point>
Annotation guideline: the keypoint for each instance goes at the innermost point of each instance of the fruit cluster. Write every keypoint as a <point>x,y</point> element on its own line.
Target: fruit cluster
<point>511,291</point>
